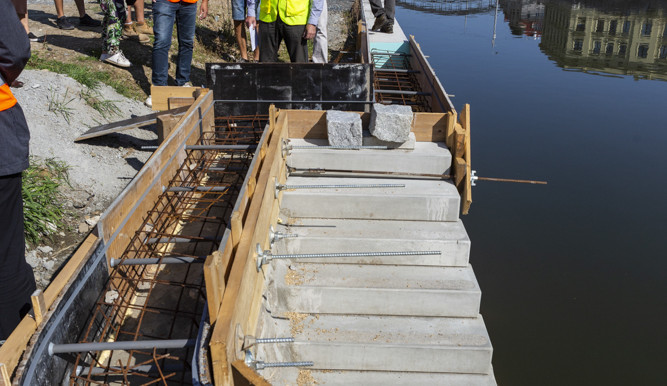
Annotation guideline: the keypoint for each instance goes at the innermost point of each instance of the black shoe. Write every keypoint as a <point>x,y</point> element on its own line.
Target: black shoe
<point>62,23</point>
<point>34,38</point>
<point>387,27</point>
<point>379,21</point>
<point>87,21</point>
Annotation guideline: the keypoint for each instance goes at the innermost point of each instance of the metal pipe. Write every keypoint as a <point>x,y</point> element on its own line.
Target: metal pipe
<point>347,186</point>
<point>401,70</point>
<point>157,260</point>
<point>127,345</point>
<point>316,147</point>
<point>170,240</point>
<point>399,92</point>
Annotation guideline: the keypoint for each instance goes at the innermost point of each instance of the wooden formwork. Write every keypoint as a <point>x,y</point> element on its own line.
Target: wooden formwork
<point>241,290</point>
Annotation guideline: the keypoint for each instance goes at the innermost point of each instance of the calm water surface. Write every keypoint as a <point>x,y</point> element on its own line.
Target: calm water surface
<point>573,274</point>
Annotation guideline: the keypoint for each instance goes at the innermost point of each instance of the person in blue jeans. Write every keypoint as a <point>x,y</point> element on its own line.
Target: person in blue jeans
<point>165,14</point>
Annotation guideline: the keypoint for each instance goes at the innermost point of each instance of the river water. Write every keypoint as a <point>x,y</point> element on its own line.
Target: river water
<point>574,273</point>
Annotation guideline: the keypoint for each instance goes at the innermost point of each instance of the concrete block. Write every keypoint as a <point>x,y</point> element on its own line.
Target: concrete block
<point>302,287</point>
<point>428,158</point>
<point>344,128</point>
<point>344,235</point>
<point>391,122</point>
<point>377,343</point>
<point>420,200</point>
<point>369,140</point>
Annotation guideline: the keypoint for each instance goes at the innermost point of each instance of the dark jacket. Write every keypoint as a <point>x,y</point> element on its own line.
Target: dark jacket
<point>14,54</point>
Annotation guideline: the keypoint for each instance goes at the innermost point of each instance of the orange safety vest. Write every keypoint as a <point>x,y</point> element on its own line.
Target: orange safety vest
<point>7,99</point>
<point>185,1</point>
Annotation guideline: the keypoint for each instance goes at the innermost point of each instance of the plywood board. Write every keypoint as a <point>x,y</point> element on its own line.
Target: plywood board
<point>160,95</point>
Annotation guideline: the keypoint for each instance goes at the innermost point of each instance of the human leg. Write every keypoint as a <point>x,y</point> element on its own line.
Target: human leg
<point>186,16</point>
<point>24,21</point>
<point>376,7</point>
<point>59,8</point>
<point>269,40</point>
<point>114,13</point>
<point>389,10</point>
<point>239,32</point>
<point>296,45</point>
<point>320,45</point>
<point>16,278</point>
<point>164,14</point>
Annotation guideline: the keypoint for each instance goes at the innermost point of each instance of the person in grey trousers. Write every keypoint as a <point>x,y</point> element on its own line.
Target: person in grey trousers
<point>17,281</point>
<point>384,15</point>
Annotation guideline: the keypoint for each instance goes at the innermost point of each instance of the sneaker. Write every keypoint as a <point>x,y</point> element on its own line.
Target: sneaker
<point>187,84</point>
<point>143,28</point>
<point>379,21</point>
<point>117,59</point>
<point>34,38</point>
<point>149,101</point>
<point>62,23</point>
<point>87,21</point>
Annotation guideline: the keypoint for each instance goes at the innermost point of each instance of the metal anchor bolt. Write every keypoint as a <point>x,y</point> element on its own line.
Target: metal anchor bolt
<point>280,187</point>
<point>259,365</point>
<point>264,257</point>
<point>249,341</point>
<point>275,236</point>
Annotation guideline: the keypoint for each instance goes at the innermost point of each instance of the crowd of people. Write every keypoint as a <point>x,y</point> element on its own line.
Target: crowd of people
<point>270,22</point>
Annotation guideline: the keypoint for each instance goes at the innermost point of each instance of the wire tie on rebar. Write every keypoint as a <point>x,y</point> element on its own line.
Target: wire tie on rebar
<point>265,256</point>
<point>259,365</point>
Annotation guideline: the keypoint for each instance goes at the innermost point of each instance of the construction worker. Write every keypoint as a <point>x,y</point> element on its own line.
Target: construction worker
<point>294,21</point>
<point>17,281</point>
<point>384,16</point>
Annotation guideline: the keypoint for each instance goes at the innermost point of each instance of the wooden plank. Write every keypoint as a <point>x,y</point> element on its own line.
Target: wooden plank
<point>4,376</point>
<point>312,124</point>
<point>14,346</point>
<point>81,254</point>
<point>160,94</point>
<point>175,102</point>
<point>215,286</point>
<point>244,375</point>
<point>237,228</point>
<point>458,147</point>
<point>430,127</point>
<point>165,125</point>
<point>127,124</point>
<point>243,273</point>
<point>451,122</point>
<point>428,81</point>
<point>39,307</point>
<point>467,191</point>
<point>460,168</point>
<point>127,212</point>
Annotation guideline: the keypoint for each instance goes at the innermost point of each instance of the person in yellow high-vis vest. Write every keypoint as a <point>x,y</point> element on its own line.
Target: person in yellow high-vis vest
<point>294,21</point>
<point>17,281</point>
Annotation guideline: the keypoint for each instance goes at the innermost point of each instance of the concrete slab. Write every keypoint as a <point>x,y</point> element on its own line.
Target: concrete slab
<point>376,343</point>
<point>420,200</point>
<point>372,290</point>
<point>290,376</point>
<point>427,158</point>
<point>337,235</point>
<point>369,140</point>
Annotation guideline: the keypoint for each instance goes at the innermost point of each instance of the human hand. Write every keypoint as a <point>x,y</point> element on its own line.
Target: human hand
<point>309,32</point>
<point>203,10</point>
<point>250,21</point>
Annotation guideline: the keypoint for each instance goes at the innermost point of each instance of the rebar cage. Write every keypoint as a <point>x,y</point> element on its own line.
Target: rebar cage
<point>395,82</point>
<point>159,301</point>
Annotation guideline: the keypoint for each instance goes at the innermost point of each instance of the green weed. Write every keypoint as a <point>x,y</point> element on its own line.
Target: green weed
<point>93,99</point>
<point>60,105</point>
<point>42,209</point>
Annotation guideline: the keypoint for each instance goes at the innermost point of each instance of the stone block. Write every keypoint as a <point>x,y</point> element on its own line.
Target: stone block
<point>369,140</point>
<point>391,122</point>
<point>344,128</point>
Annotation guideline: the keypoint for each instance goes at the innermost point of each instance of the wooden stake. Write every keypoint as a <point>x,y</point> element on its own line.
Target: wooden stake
<point>38,306</point>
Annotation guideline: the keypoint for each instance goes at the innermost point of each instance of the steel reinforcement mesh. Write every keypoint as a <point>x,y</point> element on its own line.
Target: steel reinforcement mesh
<point>162,301</point>
<point>395,82</point>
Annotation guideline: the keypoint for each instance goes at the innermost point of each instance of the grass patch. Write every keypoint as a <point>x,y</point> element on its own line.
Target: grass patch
<point>60,105</point>
<point>83,74</point>
<point>42,209</point>
<point>106,108</point>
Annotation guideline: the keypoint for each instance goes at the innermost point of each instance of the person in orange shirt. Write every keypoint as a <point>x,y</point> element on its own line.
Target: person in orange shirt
<point>17,281</point>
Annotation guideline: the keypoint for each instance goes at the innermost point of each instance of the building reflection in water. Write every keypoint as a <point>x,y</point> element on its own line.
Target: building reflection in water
<point>621,41</point>
<point>524,17</point>
<point>449,7</point>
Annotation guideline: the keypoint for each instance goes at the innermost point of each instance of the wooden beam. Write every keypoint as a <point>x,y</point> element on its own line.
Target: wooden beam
<point>458,147</point>
<point>165,125</point>
<point>39,307</point>
<point>175,102</point>
<point>15,345</point>
<point>430,127</point>
<point>4,376</point>
<point>160,94</point>
<point>466,197</point>
<point>244,375</point>
<point>215,283</point>
<point>460,172</point>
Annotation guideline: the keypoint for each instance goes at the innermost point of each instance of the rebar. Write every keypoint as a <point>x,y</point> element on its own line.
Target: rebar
<point>338,186</point>
<point>157,260</point>
<point>259,365</point>
<point>265,256</point>
<point>249,341</point>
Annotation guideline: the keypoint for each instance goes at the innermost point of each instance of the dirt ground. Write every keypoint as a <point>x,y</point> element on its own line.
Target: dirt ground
<point>102,167</point>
